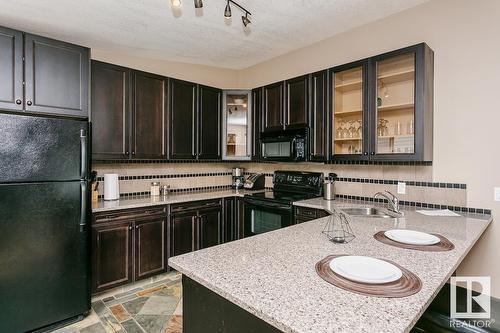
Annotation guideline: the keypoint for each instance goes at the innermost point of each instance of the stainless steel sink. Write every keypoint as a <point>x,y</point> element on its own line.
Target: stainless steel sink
<point>367,212</point>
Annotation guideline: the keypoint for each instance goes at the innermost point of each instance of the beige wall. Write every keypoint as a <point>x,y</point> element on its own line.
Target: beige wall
<point>211,76</point>
<point>464,36</point>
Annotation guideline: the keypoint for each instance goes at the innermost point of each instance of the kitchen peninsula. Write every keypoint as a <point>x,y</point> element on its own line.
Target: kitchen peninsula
<point>269,283</point>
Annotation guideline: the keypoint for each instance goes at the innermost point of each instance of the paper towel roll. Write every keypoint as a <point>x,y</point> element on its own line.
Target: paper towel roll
<point>111,186</point>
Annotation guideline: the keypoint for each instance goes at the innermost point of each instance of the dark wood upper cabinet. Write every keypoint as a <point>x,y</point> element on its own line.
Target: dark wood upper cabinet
<point>56,77</point>
<point>150,247</point>
<point>111,255</point>
<point>319,120</point>
<point>273,107</point>
<point>182,118</point>
<point>297,102</point>
<point>149,103</point>
<point>257,101</point>
<point>209,227</point>
<point>110,111</point>
<point>209,123</point>
<point>11,69</point>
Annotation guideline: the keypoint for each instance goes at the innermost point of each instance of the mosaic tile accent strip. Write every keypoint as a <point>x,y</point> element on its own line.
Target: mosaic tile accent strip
<point>145,161</point>
<point>418,204</point>
<point>408,182</point>
<point>423,163</point>
<point>182,175</point>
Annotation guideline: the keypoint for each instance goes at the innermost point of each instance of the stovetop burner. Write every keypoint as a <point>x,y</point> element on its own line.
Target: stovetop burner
<point>290,186</point>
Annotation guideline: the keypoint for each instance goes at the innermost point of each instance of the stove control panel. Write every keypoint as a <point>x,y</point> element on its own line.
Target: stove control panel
<point>298,181</point>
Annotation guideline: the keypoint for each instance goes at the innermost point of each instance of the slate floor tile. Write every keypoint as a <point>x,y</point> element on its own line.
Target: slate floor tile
<point>95,328</point>
<point>131,326</point>
<point>133,307</point>
<point>121,300</point>
<point>152,324</point>
<point>174,325</point>
<point>119,312</point>
<point>99,307</point>
<point>159,305</point>
<point>110,323</point>
<point>129,292</point>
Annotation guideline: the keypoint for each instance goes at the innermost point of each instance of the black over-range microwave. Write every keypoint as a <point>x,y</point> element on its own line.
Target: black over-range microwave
<point>286,145</point>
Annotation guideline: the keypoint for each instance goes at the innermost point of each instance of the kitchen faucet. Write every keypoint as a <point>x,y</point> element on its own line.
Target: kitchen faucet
<point>392,200</point>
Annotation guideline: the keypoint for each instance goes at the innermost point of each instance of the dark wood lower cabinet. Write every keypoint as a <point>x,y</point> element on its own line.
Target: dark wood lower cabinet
<point>209,227</point>
<point>128,246</point>
<point>181,228</point>
<point>150,247</point>
<point>111,257</point>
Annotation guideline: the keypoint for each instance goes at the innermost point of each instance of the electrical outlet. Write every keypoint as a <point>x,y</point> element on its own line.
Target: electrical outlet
<point>401,188</point>
<point>497,194</point>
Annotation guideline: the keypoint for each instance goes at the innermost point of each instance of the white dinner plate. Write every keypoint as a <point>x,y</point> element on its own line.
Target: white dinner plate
<point>365,269</point>
<point>411,237</point>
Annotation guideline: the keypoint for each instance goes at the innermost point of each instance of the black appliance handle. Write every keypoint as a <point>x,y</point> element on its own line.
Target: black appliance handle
<point>267,204</point>
<point>83,155</point>
<point>83,205</point>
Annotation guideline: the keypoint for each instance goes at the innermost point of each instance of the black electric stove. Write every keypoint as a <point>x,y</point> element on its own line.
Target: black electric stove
<point>271,210</point>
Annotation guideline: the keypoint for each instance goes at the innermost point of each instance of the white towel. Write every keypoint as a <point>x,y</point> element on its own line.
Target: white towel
<point>438,212</point>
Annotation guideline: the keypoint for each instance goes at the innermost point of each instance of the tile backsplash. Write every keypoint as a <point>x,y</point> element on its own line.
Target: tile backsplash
<point>354,180</point>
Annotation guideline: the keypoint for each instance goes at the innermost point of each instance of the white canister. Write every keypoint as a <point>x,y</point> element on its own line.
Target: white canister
<point>111,186</point>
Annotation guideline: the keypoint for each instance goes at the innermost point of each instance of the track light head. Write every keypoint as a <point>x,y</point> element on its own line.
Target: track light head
<point>198,4</point>
<point>246,21</point>
<point>227,11</point>
<point>175,3</point>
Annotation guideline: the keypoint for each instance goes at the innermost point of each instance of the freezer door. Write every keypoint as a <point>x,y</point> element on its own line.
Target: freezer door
<point>37,149</point>
<point>44,255</point>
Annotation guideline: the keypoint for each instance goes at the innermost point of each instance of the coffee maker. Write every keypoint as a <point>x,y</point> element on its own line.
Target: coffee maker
<point>238,178</point>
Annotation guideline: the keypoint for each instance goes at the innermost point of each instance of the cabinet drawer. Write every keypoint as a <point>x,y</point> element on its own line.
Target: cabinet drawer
<point>186,206</point>
<point>113,216</point>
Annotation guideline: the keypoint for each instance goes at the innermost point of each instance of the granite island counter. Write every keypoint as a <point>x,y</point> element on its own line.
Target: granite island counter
<point>272,278</point>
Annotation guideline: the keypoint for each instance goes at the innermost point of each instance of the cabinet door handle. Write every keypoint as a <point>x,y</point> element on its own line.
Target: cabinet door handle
<point>137,227</point>
<point>126,153</point>
<point>129,227</point>
<point>18,101</point>
<point>372,153</point>
<point>365,153</point>
<point>29,103</point>
<point>133,152</point>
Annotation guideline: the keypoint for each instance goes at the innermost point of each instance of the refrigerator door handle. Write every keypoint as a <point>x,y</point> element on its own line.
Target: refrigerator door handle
<point>83,205</point>
<point>83,152</point>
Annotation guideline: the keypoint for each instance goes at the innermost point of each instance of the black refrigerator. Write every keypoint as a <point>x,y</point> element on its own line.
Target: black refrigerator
<point>44,222</point>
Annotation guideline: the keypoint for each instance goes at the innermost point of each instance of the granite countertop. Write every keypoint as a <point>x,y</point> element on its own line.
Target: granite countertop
<point>273,275</point>
<point>147,200</point>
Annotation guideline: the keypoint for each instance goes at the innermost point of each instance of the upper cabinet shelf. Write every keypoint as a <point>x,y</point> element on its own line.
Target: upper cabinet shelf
<point>383,107</point>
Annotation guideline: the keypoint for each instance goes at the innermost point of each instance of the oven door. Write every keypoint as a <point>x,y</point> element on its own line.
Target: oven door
<point>264,216</point>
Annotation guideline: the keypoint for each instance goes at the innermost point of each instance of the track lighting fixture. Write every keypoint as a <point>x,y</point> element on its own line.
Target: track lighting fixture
<point>227,11</point>
<point>245,20</point>
<point>198,4</point>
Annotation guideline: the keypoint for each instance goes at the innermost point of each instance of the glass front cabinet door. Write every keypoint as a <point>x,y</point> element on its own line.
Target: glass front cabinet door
<point>349,99</point>
<point>391,120</point>
<point>237,125</point>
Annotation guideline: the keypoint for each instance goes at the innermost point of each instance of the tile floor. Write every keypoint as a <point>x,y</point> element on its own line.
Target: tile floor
<point>151,306</point>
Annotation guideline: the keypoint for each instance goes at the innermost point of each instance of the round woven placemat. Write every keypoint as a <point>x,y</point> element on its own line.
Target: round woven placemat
<point>407,285</point>
<point>443,245</point>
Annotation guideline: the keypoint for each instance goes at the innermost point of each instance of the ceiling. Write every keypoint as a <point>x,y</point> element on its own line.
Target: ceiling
<point>151,29</point>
